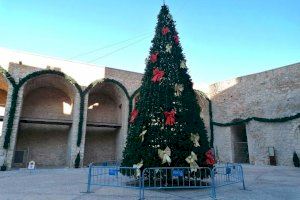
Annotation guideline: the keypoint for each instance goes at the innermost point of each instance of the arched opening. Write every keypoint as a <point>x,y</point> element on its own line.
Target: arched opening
<point>3,97</point>
<point>239,143</point>
<point>106,123</point>
<point>45,122</point>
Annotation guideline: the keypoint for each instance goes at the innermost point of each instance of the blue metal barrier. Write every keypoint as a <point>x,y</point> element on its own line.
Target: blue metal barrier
<point>228,174</point>
<point>158,178</point>
<point>175,178</point>
<point>113,176</point>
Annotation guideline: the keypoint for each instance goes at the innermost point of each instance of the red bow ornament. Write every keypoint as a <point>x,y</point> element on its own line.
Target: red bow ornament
<point>170,117</point>
<point>165,30</point>
<point>157,75</point>
<point>210,158</point>
<point>153,57</point>
<point>133,114</point>
<point>176,39</point>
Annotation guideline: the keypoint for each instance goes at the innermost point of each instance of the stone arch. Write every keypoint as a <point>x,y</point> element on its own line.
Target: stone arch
<point>239,142</point>
<point>106,121</point>
<point>46,119</point>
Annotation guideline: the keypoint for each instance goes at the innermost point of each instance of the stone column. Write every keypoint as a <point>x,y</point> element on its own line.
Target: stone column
<point>72,138</point>
<point>9,153</point>
<point>122,134</point>
<point>73,149</point>
<point>4,125</point>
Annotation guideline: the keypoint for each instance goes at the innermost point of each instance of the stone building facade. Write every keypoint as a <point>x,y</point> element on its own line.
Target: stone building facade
<point>53,111</point>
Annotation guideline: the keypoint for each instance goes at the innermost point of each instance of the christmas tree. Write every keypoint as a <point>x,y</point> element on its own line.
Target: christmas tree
<point>165,126</point>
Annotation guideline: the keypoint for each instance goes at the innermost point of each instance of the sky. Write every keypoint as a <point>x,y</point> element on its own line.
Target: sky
<point>221,39</point>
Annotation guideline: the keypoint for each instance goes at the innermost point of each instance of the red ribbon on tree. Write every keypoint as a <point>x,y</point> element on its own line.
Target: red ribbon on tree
<point>133,114</point>
<point>176,39</point>
<point>153,57</point>
<point>165,30</point>
<point>210,157</point>
<point>157,75</point>
<point>170,117</point>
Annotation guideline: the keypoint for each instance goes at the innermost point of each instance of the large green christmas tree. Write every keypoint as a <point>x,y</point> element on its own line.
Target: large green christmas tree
<point>165,126</point>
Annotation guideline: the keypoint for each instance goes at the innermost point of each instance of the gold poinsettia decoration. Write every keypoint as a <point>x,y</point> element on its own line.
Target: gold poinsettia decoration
<point>183,64</point>
<point>195,139</point>
<point>191,159</point>
<point>168,48</point>
<point>165,155</point>
<point>178,89</point>
<point>138,166</point>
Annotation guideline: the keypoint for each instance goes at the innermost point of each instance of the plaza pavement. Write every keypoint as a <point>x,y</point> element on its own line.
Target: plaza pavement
<point>262,182</point>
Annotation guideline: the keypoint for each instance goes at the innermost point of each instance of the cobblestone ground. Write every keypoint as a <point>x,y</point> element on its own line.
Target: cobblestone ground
<point>267,183</point>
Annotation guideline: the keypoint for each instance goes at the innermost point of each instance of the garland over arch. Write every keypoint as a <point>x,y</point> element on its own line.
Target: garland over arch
<point>86,91</point>
<point>7,76</point>
<point>14,98</point>
<point>132,97</point>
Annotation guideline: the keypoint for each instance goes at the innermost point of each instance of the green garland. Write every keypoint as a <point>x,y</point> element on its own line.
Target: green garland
<point>259,119</point>
<point>77,161</point>
<point>8,76</point>
<point>211,124</point>
<point>11,80</point>
<point>131,99</point>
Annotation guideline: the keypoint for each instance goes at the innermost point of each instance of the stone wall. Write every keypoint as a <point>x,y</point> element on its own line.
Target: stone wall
<point>3,96</point>
<point>46,144</point>
<point>204,104</point>
<point>131,80</point>
<point>100,145</point>
<point>103,108</point>
<point>270,94</point>
<point>47,103</point>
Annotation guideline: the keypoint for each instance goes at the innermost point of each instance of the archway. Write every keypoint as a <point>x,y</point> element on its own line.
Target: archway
<point>45,122</point>
<point>3,97</point>
<point>239,143</point>
<point>106,123</point>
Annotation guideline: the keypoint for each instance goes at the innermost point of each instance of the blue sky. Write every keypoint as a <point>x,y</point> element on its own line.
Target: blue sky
<point>221,39</point>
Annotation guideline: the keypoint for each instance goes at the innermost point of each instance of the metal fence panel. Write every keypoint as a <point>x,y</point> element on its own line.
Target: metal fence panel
<point>166,182</point>
<point>113,176</point>
<point>181,178</point>
<point>228,174</point>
